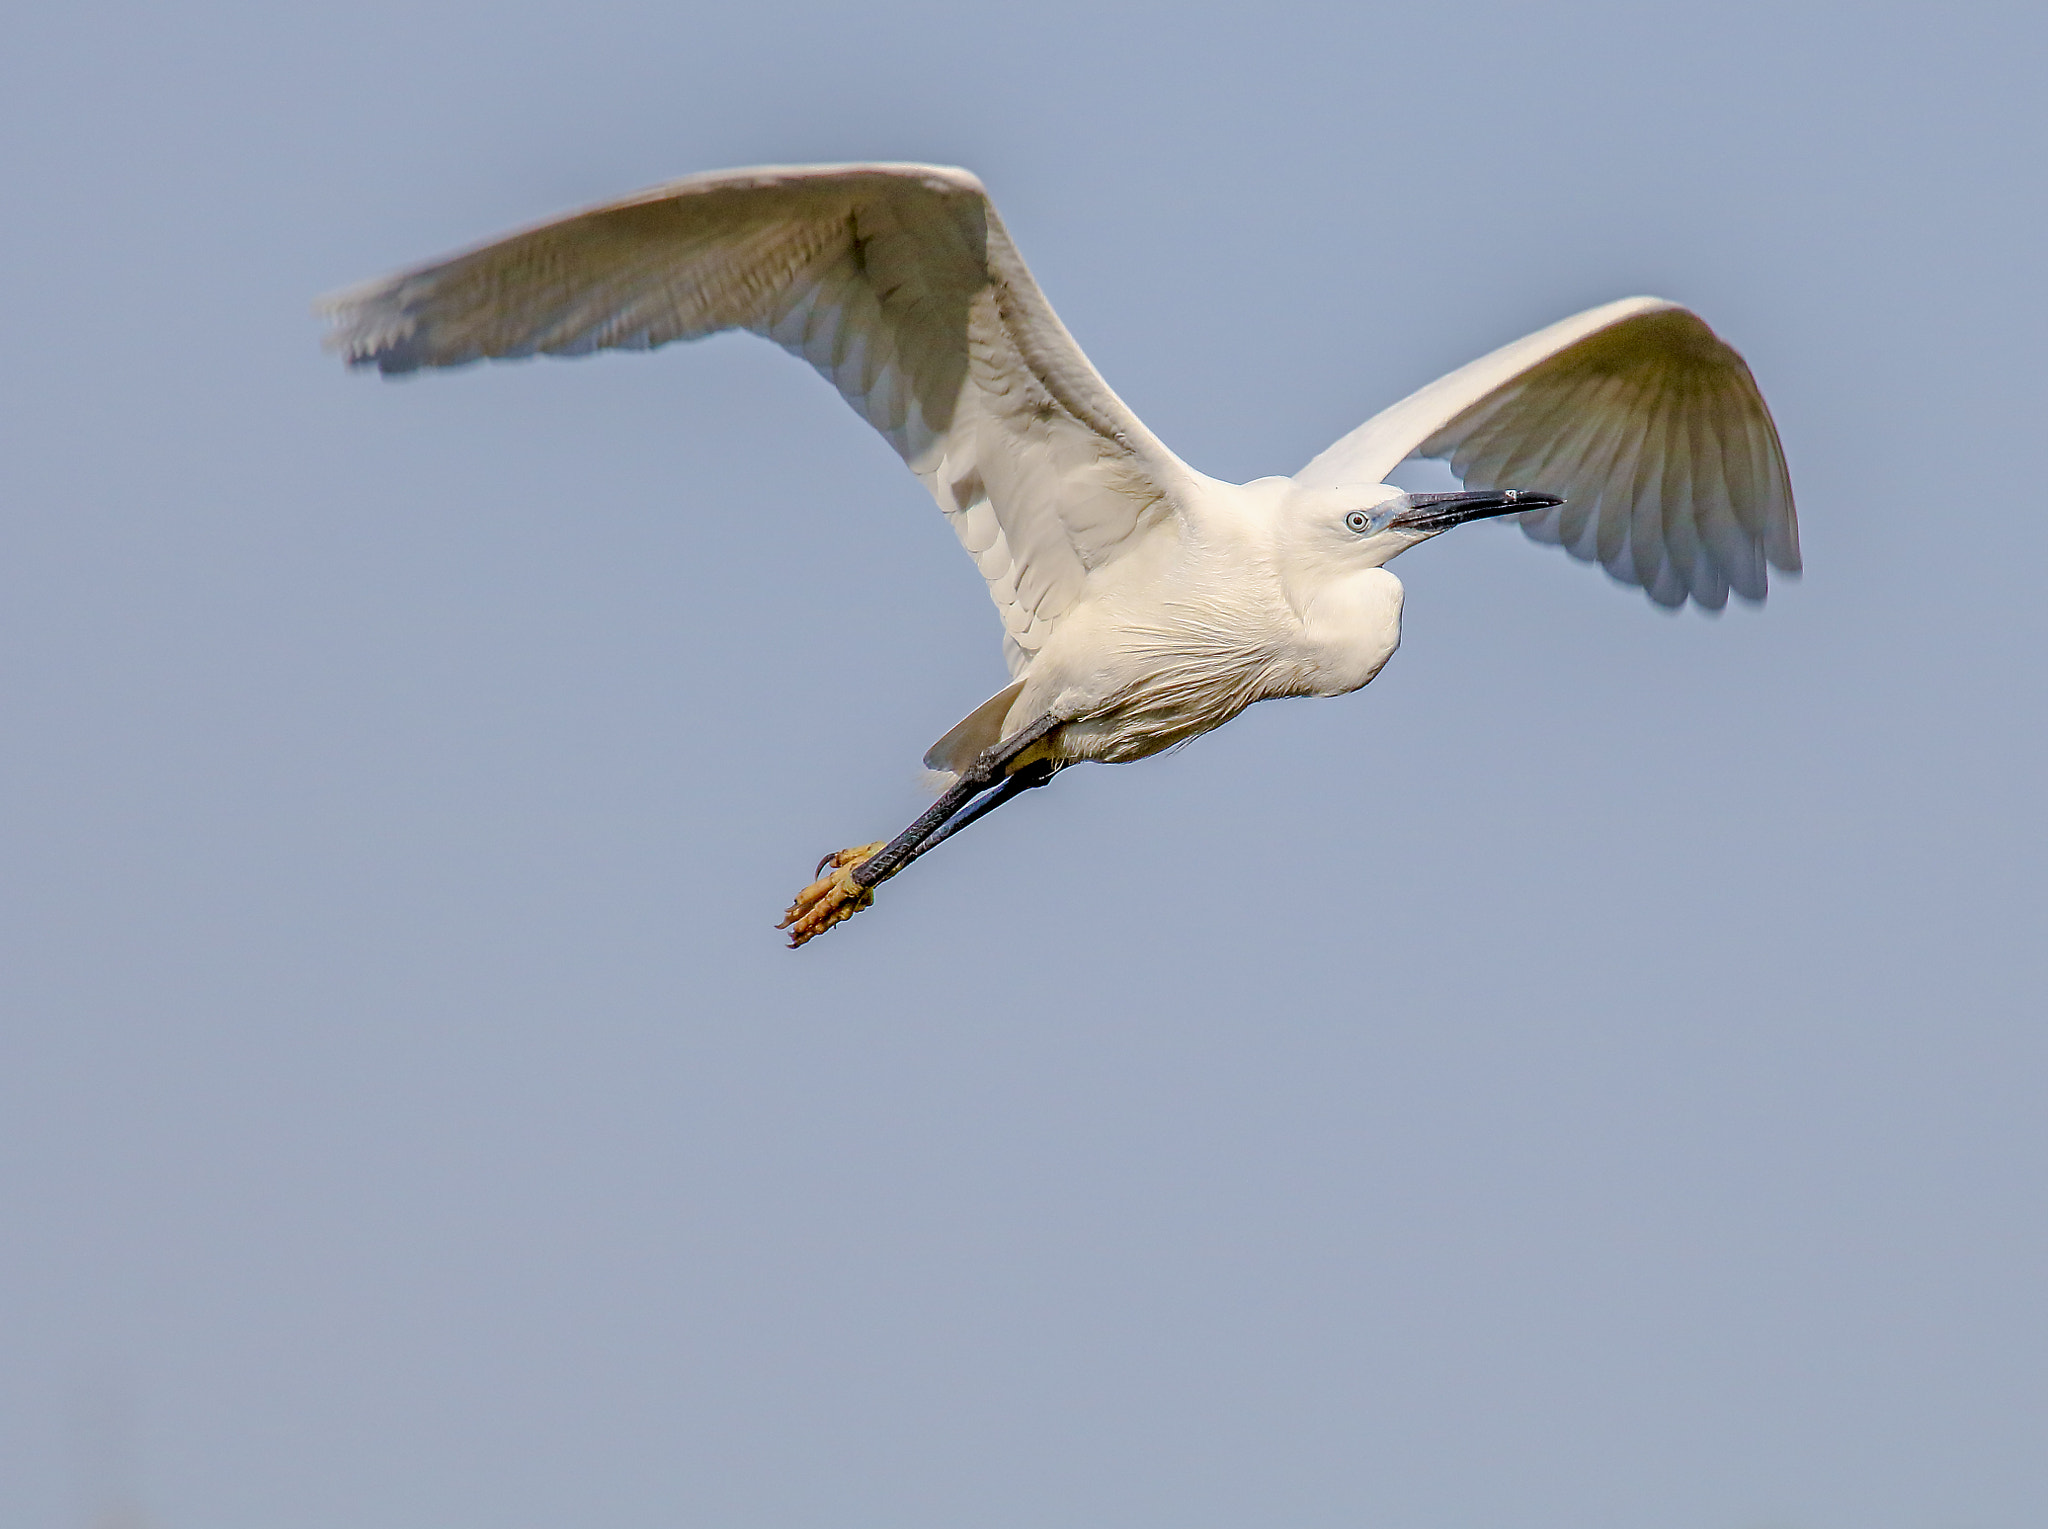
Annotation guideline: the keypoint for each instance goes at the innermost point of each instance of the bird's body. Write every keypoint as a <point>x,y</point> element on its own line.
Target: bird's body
<point>1191,628</point>
<point>1142,603</point>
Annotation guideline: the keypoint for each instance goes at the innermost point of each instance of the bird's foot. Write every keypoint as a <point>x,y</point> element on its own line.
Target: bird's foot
<point>831,899</point>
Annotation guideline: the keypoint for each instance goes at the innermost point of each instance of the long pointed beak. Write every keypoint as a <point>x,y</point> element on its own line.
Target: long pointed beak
<point>1439,512</point>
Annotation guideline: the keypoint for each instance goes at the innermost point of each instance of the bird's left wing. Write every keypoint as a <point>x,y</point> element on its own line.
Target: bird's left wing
<point>1643,419</point>
<point>897,282</point>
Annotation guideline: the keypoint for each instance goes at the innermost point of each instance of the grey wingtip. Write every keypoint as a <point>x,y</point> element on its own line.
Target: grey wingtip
<point>368,328</point>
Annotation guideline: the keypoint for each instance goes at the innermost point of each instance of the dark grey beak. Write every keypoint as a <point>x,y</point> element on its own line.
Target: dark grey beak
<point>1439,512</point>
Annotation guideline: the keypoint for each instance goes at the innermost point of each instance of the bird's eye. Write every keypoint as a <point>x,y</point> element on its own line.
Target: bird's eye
<point>1358,520</point>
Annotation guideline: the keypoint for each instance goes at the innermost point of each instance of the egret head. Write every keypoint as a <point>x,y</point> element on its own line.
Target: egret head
<point>1371,525</point>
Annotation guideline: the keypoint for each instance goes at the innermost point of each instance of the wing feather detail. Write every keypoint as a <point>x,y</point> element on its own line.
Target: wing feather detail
<point>1645,421</point>
<point>897,283</point>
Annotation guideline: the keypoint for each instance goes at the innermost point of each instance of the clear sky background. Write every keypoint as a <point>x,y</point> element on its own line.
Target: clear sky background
<point>1593,1079</point>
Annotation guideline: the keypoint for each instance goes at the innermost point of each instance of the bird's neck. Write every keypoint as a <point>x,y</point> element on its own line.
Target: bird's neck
<point>1350,626</point>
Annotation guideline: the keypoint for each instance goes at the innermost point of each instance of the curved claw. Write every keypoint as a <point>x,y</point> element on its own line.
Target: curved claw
<point>831,899</point>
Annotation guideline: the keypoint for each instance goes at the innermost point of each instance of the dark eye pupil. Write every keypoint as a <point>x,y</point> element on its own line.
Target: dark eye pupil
<point>1355,520</point>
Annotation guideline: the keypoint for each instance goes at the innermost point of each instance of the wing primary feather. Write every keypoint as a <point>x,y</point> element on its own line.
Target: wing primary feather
<point>1591,446</point>
<point>1781,536</point>
<point>1675,490</point>
<point>1735,555</point>
<point>1646,508</point>
<point>1618,491</point>
<point>1709,579</point>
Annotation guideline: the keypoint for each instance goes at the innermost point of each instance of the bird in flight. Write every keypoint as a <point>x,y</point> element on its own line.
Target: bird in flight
<point>1142,602</point>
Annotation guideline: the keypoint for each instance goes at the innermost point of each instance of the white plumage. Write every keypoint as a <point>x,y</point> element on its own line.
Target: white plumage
<point>1142,603</point>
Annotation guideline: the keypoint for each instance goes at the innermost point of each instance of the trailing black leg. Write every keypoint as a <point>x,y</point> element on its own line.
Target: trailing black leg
<point>1014,785</point>
<point>849,887</point>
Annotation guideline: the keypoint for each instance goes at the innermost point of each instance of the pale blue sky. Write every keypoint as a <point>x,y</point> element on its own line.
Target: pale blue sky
<point>1590,1080</point>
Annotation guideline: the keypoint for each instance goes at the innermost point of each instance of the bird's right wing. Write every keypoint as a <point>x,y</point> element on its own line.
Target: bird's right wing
<point>1643,419</point>
<point>897,282</point>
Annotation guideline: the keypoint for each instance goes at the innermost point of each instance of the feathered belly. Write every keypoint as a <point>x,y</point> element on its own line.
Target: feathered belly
<point>1164,698</point>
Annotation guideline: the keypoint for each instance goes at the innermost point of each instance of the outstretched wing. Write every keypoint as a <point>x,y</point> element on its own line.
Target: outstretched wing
<point>897,282</point>
<point>1641,418</point>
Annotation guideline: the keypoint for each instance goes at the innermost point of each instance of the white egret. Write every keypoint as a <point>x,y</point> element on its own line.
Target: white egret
<point>1142,603</point>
